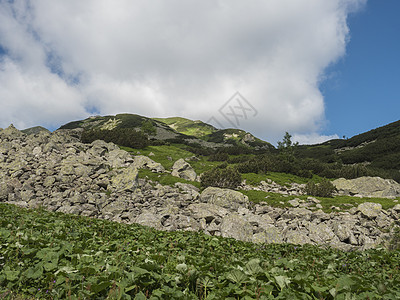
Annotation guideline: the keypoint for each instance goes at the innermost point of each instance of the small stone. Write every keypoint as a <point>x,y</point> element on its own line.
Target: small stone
<point>294,202</point>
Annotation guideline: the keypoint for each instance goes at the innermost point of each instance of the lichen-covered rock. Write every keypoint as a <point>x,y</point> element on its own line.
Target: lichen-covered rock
<point>126,180</point>
<point>184,170</point>
<point>225,198</point>
<point>149,219</point>
<point>118,158</point>
<point>368,187</point>
<point>322,233</point>
<point>298,237</point>
<point>342,230</point>
<point>144,162</point>
<point>294,202</point>
<point>270,235</point>
<point>369,209</point>
<point>236,227</point>
<point>207,211</point>
<point>4,191</point>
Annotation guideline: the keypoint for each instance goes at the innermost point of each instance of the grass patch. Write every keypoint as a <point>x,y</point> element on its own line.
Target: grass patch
<point>279,178</point>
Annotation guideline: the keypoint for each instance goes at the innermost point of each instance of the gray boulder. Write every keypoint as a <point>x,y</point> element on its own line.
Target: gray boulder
<point>144,162</point>
<point>370,210</point>
<point>225,198</point>
<point>368,187</point>
<point>149,219</point>
<point>270,235</point>
<point>184,170</point>
<point>236,227</point>
<point>126,180</point>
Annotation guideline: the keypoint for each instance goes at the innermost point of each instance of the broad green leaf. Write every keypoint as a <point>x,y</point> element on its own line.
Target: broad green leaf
<point>140,296</point>
<point>282,281</point>
<point>34,272</point>
<point>11,275</point>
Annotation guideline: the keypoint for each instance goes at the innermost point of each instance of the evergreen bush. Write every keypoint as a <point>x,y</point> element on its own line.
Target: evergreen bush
<point>323,189</point>
<point>223,178</point>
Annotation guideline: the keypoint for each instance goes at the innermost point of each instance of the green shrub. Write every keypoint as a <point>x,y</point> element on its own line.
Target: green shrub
<point>219,156</point>
<point>323,189</point>
<point>223,178</point>
<point>127,137</point>
<point>148,127</point>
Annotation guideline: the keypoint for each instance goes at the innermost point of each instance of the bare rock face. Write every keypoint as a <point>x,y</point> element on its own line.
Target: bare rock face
<point>368,187</point>
<point>184,170</point>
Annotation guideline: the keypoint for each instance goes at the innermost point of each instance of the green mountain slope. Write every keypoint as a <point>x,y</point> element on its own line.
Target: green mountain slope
<point>378,148</point>
<point>188,127</point>
<point>133,130</point>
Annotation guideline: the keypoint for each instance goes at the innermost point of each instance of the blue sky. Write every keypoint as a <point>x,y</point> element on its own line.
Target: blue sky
<point>363,91</point>
<point>317,69</point>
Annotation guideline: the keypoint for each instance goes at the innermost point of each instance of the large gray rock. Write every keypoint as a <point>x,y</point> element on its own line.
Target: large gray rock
<point>184,170</point>
<point>369,209</point>
<point>118,158</point>
<point>368,187</point>
<point>4,191</point>
<point>270,235</point>
<point>322,233</point>
<point>236,227</point>
<point>207,211</point>
<point>144,162</point>
<point>126,180</point>
<point>225,198</point>
<point>298,237</point>
<point>149,219</point>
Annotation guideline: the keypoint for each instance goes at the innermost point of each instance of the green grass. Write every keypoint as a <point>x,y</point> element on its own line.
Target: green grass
<point>188,127</point>
<point>279,178</point>
<point>46,255</point>
<point>162,153</point>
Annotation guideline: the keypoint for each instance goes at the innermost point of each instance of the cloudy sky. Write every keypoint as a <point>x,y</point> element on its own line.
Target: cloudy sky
<point>290,61</point>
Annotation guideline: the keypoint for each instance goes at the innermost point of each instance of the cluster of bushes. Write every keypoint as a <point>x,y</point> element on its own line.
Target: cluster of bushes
<point>223,177</point>
<point>307,167</point>
<point>127,137</point>
<point>219,156</point>
<point>323,189</point>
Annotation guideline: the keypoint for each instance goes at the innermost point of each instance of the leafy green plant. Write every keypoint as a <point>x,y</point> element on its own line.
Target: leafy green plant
<point>45,255</point>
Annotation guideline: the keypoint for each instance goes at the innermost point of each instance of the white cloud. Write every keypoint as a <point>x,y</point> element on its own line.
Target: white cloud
<point>313,138</point>
<point>173,58</point>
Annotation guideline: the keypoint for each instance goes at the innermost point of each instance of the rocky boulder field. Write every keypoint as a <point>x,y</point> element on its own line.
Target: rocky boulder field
<point>59,173</point>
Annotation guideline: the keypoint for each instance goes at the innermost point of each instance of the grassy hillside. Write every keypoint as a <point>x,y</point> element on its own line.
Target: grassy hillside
<point>46,255</point>
<point>377,149</point>
<point>188,127</point>
<point>133,130</point>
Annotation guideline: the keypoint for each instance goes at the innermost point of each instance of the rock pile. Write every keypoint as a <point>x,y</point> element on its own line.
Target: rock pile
<point>61,174</point>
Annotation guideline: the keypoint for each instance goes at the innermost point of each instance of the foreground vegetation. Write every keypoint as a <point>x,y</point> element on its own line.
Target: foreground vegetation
<point>46,255</point>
